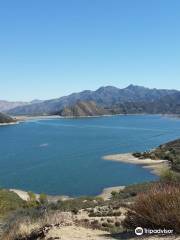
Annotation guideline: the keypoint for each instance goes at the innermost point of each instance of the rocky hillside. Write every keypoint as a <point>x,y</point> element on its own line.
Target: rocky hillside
<point>169,151</point>
<point>83,109</point>
<point>132,99</point>
<point>5,119</point>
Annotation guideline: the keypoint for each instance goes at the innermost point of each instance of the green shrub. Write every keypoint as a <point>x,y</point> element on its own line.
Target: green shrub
<point>168,175</point>
<point>132,190</point>
<point>32,202</point>
<point>157,208</point>
<point>76,203</point>
<point>43,199</point>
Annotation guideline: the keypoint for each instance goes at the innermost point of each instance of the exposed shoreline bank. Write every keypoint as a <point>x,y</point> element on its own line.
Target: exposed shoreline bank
<point>22,118</point>
<point>105,194</point>
<point>156,166</point>
<point>19,119</point>
<point>25,196</point>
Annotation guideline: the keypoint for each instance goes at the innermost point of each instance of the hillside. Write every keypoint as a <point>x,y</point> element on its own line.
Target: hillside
<point>169,151</point>
<point>95,218</point>
<point>83,109</point>
<point>132,99</point>
<point>5,119</point>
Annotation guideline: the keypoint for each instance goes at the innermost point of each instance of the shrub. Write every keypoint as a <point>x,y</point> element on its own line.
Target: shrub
<point>77,203</point>
<point>131,191</point>
<point>168,175</point>
<point>32,202</point>
<point>157,208</point>
<point>32,196</point>
<point>43,198</point>
<point>114,194</point>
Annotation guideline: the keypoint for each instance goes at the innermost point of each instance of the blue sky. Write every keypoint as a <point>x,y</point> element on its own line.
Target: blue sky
<point>52,48</point>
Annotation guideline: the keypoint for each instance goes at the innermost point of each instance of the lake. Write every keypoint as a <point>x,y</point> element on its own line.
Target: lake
<point>64,156</point>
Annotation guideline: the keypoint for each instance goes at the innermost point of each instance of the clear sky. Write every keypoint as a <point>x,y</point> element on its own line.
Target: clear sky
<point>50,48</point>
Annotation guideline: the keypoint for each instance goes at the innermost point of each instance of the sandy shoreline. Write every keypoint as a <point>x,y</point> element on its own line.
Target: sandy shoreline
<point>24,196</point>
<point>156,166</point>
<point>105,194</point>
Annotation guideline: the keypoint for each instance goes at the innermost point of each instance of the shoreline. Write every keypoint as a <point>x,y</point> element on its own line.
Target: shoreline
<point>25,196</point>
<point>105,194</point>
<point>155,166</point>
<point>28,117</point>
<point>11,123</point>
<point>23,118</point>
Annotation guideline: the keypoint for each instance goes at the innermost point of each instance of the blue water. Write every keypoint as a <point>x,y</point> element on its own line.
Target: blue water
<point>64,156</point>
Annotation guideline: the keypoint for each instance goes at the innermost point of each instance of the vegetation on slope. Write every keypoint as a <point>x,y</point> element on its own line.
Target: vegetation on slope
<point>158,208</point>
<point>5,119</point>
<point>81,109</point>
<point>9,201</point>
<point>169,151</point>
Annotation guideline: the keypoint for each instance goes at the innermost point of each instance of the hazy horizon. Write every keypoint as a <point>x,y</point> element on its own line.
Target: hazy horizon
<point>49,50</point>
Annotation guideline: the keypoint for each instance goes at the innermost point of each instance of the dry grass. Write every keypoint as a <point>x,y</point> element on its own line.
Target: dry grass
<point>21,227</point>
<point>157,208</point>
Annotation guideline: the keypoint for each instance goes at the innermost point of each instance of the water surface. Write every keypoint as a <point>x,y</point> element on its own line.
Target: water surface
<point>64,156</point>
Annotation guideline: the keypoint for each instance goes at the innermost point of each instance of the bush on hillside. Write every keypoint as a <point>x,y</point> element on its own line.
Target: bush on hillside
<point>32,201</point>
<point>43,199</point>
<point>131,191</point>
<point>76,204</point>
<point>157,208</point>
<point>168,175</point>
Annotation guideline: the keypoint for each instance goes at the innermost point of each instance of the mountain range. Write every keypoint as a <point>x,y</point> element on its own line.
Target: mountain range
<point>108,100</point>
<point>6,105</point>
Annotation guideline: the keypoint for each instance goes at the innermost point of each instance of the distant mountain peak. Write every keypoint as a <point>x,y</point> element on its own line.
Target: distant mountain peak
<point>36,101</point>
<point>107,89</point>
<point>132,87</point>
